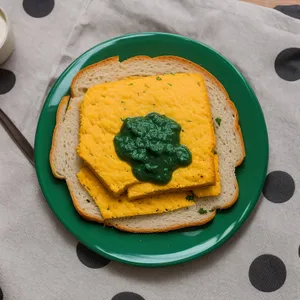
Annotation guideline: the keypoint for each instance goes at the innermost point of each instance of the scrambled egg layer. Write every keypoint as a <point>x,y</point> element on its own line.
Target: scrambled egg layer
<point>181,97</point>
<point>112,207</point>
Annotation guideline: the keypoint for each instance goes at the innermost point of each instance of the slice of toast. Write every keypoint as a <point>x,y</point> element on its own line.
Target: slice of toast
<point>64,161</point>
<point>230,145</point>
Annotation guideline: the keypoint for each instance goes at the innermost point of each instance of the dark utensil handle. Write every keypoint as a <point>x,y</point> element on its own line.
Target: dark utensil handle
<point>17,136</point>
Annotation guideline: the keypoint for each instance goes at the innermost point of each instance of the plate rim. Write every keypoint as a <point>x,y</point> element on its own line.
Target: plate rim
<point>102,252</point>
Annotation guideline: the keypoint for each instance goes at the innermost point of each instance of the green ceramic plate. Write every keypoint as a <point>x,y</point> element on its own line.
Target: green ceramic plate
<point>165,248</point>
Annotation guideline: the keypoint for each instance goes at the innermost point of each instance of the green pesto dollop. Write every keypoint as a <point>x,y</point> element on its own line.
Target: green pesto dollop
<point>151,145</point>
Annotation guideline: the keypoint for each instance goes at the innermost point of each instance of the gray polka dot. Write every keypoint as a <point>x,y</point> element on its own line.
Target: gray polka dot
<point>289,10</point>
<point>127,296</point>
<point>267,273</point>
<point>90,258</point>
<point>7,81</point>
<point>38,8</point>
<point>287,64</point>
<point>279,187</point>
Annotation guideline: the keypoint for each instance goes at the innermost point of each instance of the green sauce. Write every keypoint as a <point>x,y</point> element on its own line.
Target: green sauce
<point>151,145</point>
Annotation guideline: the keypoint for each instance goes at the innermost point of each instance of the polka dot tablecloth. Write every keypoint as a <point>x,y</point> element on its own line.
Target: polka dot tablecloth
<point>40,260</point>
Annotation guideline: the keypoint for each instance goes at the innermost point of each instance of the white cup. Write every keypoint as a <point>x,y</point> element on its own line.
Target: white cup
<point>6,37</point>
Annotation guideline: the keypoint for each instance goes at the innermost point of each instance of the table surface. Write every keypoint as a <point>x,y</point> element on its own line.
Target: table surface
<point>273,3</point>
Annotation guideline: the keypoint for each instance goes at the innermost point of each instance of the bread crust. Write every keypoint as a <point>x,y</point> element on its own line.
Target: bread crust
<point>85,215</point>
<point>61,110</point>
<point>165,229</point>
<point>59,117</point>
<point>86,70</point>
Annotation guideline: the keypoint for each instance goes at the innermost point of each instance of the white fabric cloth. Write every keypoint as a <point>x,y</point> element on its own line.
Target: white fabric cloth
<point>38,256</point>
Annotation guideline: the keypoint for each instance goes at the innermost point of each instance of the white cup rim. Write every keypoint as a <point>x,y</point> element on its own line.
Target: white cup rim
<point>7,24</point>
